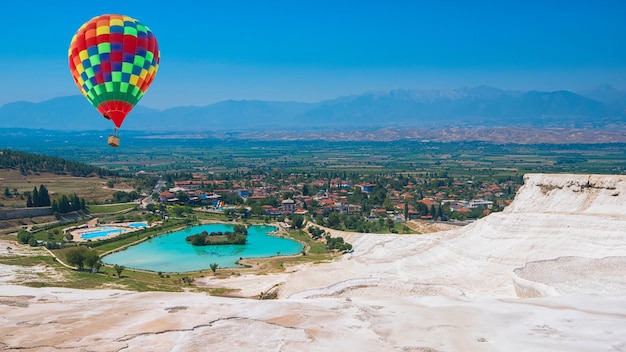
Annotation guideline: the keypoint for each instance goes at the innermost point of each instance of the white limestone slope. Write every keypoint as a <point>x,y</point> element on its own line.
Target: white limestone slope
<point>575,194</point>
<point>552,216</point>
<point>562,240</point>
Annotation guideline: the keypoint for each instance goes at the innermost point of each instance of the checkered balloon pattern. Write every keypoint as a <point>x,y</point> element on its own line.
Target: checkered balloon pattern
<point>113,60</point>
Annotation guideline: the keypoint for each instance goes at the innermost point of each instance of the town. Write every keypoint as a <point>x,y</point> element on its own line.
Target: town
<point>361,203</point>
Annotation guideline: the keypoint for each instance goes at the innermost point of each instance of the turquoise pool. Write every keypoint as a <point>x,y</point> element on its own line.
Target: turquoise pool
<point>171,253</point>
<point>101,232</point>
<point>137,224</point>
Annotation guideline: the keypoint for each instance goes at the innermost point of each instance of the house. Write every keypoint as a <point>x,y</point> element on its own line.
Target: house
<point>368,187</point>
<point>288,205</point>
<point>480,203</point>
<point>189,184</point>
<point>378,212</point>
<point>413,214</point>
<point>166,196</point>
<point>428,202</point>
<point>300,211</point>
<point>354,208</point>
<point>271,211</point>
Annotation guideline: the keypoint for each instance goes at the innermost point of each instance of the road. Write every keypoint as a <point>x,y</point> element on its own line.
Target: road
<point>157,189</point>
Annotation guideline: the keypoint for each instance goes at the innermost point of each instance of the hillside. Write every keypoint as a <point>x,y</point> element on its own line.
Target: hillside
<point>28,163</point>
<point>561,241</point>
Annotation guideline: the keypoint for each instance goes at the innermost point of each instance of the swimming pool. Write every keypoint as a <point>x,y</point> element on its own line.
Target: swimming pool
<point>137,224</point>
<point>171,253</point>
<point>101,232</point>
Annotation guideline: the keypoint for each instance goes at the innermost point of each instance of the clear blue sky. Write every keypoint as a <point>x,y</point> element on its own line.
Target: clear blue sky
<point>314,50</point>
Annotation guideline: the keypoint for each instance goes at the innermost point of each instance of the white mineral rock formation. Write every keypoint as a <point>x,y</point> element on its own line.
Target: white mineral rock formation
<point>546,274</point>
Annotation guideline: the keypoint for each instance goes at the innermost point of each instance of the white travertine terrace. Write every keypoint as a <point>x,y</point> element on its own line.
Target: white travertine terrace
<point>546,274</point>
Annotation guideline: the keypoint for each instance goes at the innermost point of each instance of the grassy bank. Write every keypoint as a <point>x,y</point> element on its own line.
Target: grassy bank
<point>57,275</point>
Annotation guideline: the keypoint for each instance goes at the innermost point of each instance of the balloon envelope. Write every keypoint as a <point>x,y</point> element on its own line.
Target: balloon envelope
<point>113,60</point>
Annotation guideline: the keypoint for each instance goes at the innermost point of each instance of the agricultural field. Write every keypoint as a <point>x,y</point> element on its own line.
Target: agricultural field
<point>14,187</point>
<point>195,153</point>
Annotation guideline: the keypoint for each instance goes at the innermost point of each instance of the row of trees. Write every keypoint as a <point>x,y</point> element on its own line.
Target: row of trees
<point>125,197</point>
<point>39,198</point>
<point>354,222</point>
<point>316,232</point>
<point>337,243</point>
<point>27,163</point>
<point>237,236</point>
<point>25,237</point>
<point>62,205</point>
<point>82,258</point>
<point>65,204</point>
<point>332,243</point>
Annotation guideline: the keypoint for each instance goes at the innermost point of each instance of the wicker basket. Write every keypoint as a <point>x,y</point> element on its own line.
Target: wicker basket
<point>114,141</point>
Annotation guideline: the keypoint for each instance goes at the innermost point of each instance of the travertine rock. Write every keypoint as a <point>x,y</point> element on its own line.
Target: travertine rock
<point>563,240</point>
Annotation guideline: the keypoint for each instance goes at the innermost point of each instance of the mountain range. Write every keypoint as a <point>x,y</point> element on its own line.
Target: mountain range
<point>483,106</point>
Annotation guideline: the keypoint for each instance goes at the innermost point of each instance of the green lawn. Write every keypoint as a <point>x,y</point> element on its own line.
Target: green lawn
<point>315,247</point>
<point>110,208</point>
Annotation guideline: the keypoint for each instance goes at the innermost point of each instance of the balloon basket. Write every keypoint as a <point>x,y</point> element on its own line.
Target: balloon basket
<point>114,141</point>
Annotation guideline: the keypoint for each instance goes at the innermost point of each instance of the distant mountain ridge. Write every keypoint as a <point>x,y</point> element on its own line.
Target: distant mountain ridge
<point>607,95</point>
<point>484,106</point>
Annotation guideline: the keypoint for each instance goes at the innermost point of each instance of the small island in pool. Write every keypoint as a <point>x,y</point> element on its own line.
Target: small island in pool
<point>238,236</point>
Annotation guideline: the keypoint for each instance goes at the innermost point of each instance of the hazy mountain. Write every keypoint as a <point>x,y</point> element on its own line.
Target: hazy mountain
<point>475,106</point>
<point>228,114</point>
<point>63,113</point>
<point>608,95</point>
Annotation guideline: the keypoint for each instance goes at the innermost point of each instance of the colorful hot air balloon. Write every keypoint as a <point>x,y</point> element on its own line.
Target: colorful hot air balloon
<point>113,60</point>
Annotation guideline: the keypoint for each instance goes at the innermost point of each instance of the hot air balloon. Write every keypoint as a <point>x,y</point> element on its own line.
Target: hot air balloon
<point>113,60</point>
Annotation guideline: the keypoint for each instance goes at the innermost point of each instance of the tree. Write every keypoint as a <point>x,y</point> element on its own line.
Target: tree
<point>76,257</point>
<point>333,220</point>
<point>297,220</point>
<point>182,197</point>
<point>44,197</point>
<point>91,259</point>
<point>119,269</point>
<point>337,243</point>
<point>32,242</point>
<point>74,202</point>
<point>214,267</point>
<point>24,236</point>
<point>433,212</point>
<point>406,210</point>
<point>121,197</point>
<point>61,204</point>
<point>36,200</point>
<point>388,204</point>
<point>178,210</point>
<point>257,210</point>
<point>390,223</point>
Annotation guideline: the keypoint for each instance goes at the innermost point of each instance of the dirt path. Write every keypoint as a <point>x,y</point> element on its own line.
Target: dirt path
<point>419,226</point>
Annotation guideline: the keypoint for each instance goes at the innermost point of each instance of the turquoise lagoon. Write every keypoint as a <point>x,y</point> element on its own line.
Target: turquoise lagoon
<point>171,253</point>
